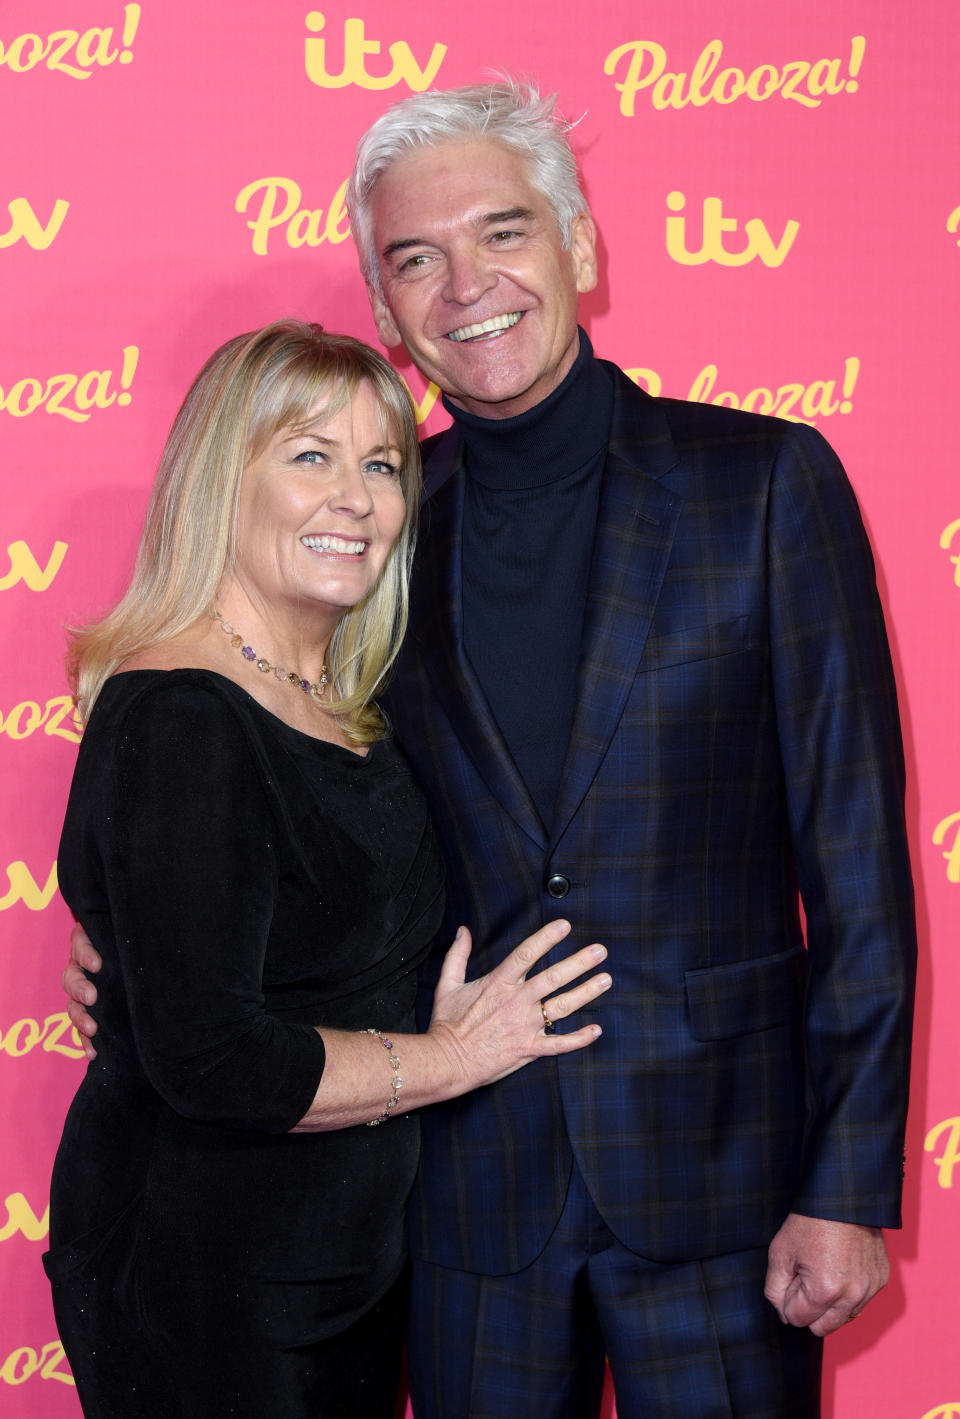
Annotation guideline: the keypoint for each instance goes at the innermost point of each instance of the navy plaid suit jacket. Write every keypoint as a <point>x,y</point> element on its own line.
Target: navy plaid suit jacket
<point>736,738</point>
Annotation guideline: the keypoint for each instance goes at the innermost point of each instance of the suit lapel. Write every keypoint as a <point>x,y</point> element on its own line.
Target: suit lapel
<point>437,614</point>
<point>636,522</point>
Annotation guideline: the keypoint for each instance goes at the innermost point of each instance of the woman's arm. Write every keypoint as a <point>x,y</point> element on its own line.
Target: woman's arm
<point>481,1031</point>
<point>188,846</point>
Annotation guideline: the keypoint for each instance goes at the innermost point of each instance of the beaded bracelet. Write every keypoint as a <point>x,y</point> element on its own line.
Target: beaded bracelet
<point>396,1083</point>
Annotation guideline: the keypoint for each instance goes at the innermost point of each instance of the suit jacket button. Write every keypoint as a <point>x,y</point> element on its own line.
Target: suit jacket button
<point>558,886</point>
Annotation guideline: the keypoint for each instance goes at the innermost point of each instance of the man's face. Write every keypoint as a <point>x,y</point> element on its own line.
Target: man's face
<point>477,284</point>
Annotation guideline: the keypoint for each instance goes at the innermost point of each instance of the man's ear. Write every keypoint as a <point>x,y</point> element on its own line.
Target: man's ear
<point>386,328</point>
<point>583,248</point>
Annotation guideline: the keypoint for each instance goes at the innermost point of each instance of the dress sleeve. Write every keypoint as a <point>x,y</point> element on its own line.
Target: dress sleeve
<point>190,851</point>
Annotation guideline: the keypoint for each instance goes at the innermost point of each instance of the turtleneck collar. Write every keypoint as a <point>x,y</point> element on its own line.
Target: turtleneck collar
<point>545,443</point>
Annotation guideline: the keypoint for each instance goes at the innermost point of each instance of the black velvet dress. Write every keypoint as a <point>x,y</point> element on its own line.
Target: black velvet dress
<point>243,883</point>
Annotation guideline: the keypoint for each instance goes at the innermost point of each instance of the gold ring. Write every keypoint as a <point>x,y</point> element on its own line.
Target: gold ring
<point>854,1314</point>
<point>547,1022</point>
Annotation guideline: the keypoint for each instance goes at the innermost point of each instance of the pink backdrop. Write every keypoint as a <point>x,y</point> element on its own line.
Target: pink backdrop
<point>779,199</point>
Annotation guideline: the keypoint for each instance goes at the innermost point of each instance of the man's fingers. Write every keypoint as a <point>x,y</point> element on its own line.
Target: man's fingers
<point>801,1310</point>
<point>823,1312</point>
<point>797,1308</point>
<point>82,950</point>
<point>832,1320</point>
<point>76,985</point>
<point>81,1021</point>
<point>775,1288</point>
<point>85,1026</point>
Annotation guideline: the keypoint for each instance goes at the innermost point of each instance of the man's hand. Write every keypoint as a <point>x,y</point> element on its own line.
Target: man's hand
<point>81,990</point>
<point>822,1274</point>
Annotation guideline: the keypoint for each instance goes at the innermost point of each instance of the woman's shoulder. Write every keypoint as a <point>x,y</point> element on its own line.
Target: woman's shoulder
<point>183,736</point>
<point>189,684</point>
<point>169,704</point>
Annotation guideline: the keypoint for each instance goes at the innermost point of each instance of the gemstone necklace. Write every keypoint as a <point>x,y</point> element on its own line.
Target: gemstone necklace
<point>316,690</point>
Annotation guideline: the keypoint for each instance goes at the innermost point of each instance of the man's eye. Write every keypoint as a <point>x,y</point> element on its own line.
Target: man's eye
<point>505,236</point>
<point>412,262</point>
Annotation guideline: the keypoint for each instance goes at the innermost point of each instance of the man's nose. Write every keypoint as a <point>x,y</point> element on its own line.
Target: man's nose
<point>469,277</point>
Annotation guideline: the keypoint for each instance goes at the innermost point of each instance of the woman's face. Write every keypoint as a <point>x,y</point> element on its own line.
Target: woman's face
<point>320,509</point>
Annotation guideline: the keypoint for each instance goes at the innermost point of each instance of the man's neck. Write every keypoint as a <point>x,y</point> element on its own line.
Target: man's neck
<point>555,437</point>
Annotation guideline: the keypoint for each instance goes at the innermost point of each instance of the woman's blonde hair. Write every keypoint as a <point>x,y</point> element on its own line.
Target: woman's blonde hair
<point>248,390</point>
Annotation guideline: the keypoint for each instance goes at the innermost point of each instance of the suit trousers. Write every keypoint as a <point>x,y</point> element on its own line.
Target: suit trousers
<point>691,1340</point>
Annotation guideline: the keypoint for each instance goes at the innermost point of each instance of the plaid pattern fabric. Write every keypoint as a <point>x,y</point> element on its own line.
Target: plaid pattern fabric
<point>695,1340</point>
<point>736,736</point>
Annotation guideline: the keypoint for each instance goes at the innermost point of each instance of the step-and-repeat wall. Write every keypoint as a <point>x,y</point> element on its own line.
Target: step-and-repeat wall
<point>778,193</point>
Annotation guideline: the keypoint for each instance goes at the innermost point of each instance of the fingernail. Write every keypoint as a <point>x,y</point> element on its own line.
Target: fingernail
<point>604,982</point>
<point>459,933</point>
<point>599,953</point>
<point>597,1032</point>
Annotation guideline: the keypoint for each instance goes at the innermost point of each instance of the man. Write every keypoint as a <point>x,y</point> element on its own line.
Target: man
<point>646,687</point>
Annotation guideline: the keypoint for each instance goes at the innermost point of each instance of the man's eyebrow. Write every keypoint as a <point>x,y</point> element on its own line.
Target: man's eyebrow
<point>486,219</point>
<point>402,245</point>
<point>512,214</point>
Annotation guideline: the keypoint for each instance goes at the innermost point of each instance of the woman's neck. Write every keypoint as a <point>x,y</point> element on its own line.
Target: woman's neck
<point>296,641</point>
<point>221,645</point>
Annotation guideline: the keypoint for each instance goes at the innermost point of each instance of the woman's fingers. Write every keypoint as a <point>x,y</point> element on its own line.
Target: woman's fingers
<point>567,1043</point>
<point>561,973</point>
<point>558,1007</point>
<point>525,956</point>
<point>555,977</point>
<point>454,966</point>
<point>490,1026</point>
<point>515,967</point>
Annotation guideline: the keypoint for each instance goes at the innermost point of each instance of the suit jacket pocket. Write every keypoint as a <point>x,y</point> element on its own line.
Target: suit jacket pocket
<point>693,643</point>
<point>742,997</point>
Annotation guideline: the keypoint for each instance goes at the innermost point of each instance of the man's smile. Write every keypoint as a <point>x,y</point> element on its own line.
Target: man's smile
<point>484,329</point>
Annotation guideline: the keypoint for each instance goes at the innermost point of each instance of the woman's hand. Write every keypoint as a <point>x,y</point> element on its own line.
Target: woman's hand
<point>490,1027</point>
<point>481,1031</point>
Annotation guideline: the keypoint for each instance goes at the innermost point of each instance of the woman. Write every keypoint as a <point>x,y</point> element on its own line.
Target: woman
<point>246,848</point>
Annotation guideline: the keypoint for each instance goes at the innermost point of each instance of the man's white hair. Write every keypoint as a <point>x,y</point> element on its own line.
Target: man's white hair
<point>508,112</point>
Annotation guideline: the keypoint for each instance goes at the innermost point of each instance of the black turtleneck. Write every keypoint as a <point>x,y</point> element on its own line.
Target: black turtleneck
<point>530,510</point>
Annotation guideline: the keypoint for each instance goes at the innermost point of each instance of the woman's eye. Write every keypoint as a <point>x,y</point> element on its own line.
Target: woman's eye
<point>309,455</point>
<point>379,465</point>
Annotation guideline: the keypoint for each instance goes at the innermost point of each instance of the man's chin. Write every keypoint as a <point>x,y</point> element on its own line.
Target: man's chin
<point>496,403</point>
